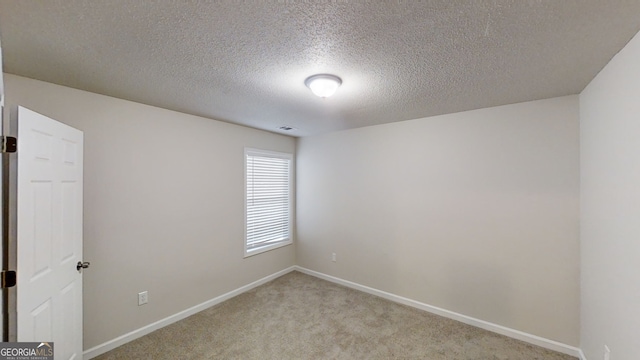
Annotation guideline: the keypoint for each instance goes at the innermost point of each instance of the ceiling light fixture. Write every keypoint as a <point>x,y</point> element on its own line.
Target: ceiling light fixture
<point>323,85</point>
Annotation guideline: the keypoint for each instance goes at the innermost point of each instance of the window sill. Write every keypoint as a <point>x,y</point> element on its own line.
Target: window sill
<point>261,250</point>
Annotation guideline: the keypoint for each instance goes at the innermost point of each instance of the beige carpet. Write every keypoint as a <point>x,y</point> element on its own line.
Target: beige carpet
<point>301,317</point>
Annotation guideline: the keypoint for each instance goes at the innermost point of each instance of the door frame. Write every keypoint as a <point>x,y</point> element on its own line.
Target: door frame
<point>8,220</point>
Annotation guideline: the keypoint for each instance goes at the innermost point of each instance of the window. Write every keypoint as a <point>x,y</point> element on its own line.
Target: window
<point>267,200</point>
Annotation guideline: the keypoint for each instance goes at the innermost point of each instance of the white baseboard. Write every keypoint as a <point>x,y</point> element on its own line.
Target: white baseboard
<point>516,334</point>
<point>121,340</point>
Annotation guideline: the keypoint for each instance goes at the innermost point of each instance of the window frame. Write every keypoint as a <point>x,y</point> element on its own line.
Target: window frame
<point>289,240</point>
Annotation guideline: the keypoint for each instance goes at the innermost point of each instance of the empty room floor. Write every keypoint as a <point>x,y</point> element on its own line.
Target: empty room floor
<point>298,316</point>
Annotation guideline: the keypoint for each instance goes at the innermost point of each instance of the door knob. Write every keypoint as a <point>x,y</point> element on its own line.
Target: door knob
<point>82,265</point>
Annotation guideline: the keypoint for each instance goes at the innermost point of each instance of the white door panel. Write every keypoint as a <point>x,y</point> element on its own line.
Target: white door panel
<point>49,290</point>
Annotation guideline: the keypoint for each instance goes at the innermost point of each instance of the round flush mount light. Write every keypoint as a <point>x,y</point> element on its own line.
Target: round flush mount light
<point>323,85</point>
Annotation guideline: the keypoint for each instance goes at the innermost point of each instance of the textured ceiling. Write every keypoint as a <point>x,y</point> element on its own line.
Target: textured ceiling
<point>246,61</point>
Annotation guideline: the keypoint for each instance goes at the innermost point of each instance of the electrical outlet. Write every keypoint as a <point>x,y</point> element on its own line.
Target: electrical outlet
<point>607,353</point>
<point>143,298</point>
<point>333,257</point>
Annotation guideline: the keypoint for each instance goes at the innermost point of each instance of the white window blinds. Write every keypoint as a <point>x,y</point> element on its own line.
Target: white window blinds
<point>268,200</point>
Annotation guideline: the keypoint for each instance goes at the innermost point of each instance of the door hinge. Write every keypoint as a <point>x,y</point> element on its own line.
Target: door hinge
<point>8,278</point>
<point>9,144</point>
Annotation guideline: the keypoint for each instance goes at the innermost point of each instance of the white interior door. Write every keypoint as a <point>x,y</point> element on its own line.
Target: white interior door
<point>49,244</point>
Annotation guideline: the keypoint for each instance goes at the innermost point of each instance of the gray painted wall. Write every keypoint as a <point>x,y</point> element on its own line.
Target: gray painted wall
<point>163,206</point>
<point>610,208</point>
<point>474,212</point>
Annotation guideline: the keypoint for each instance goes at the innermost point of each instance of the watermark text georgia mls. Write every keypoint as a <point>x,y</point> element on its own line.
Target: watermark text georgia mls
<point>26,351</point>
